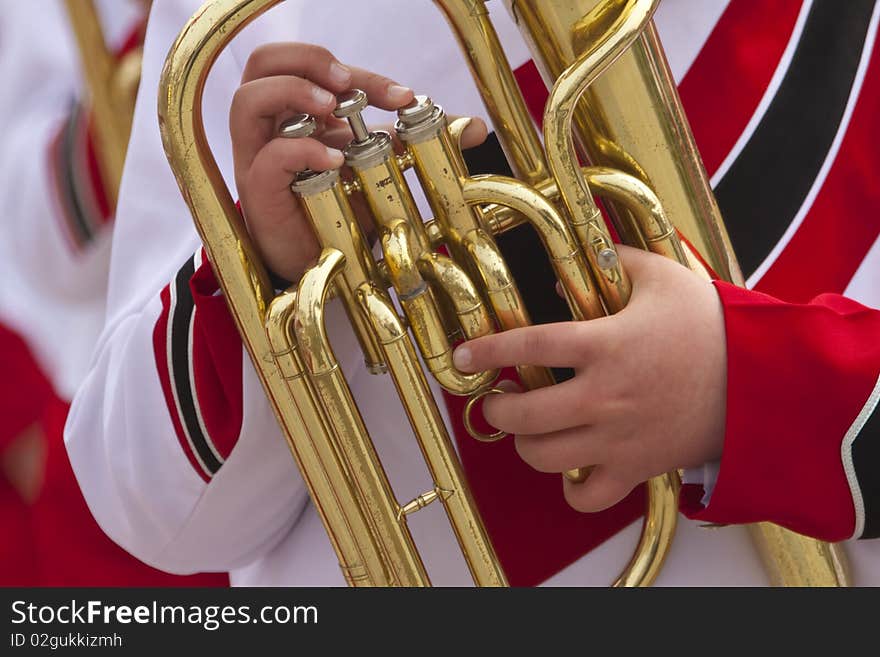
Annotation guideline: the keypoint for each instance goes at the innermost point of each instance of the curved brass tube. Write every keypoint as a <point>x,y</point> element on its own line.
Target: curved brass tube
<point>565,254</point>
<point>562,158</point>
<point>653,227</point>
<point>504,298</point>
<point>360,559</point>
<point>424,318</point>
<point>658,531</point>
<point>498,87</point>
<point>445,275</point>
<point>354,446</point>
<point>112,88</point>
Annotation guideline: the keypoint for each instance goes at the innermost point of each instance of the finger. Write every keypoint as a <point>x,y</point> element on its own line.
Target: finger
<point>257,105</point>
<point>538,411</point>
<point>299,59</point>
<point>601,490</point>
<point>281,159</point>
<point>549,345</point>
<point>559,290</point>
<point>381,91</point>
<point>474,134</point>
<point>559,451</point>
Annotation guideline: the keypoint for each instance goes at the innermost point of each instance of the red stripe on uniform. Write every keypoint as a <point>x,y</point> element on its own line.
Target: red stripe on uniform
<point>725,84</point>
<point>844,221</point>
<point>94,172</point>
<point>160,352</point>
<point>533,89</point>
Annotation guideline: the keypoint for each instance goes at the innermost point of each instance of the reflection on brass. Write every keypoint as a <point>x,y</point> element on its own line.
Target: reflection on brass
<point>612,100</point>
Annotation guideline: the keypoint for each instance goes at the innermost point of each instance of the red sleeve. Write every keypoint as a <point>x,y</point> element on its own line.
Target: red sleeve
<point>802,441</point>
<point>198,355</point>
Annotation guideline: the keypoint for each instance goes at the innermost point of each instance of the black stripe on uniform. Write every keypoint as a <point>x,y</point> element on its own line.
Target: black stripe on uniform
<point>77,216</point>
<point>866,462</point>
<point>761,193</point>
<point>180,321</point>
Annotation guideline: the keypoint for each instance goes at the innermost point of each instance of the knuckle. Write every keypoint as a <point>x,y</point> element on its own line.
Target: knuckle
<point>521,418</point>
<point>316,53</point>
<point>239,100</point>
<point>259,57</point>
<point>533,343</point>
<point>575,498</point>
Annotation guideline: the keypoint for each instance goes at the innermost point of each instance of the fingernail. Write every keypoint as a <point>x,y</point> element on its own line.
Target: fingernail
<point>397,92</point>
<point>339,73</point>
<point>462,357</point>
<point>507,386</point>
<point>335,156</point>
<point>322,96</point>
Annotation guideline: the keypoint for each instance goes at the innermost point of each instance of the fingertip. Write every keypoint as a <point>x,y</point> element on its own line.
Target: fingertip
<point>462,358</point>
<point>475,133</point>
<point>335,158</point>
<point>398,94</point>
<point>323,98</point>
<point>340,74</point>
<point>508,386</point>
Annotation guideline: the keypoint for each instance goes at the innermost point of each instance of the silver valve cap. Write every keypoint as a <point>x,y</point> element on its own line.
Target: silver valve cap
<point>298,125</point>
<point>420,109</point>
<point>349,106</point>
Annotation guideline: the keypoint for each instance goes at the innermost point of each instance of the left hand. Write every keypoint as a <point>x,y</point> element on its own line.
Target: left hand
<point>649,391</point>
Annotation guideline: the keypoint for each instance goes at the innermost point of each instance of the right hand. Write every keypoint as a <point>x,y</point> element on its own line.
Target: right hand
<point>280,80</point>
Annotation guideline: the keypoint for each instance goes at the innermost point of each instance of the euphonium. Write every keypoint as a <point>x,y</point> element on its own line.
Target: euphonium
<point>612,100</point>
<point>112,86</point>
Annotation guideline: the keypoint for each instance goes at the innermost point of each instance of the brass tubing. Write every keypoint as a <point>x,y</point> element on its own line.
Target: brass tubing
<point>361,561</point>
<point>423,315</point>
<point>440,167</point>
<point>366,472</point>
<point>439,452</point>
<point>652,225</point>
<point>585,217</point>
<point>335,225</point>
<point>452,281</point>
<point>565,254</point>
<point>497,85</point>
<point>504,298</point>
<point>658,531</point>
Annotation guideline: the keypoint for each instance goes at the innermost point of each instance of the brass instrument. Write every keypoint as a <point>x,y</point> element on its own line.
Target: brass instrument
<point>112,86</point>
<point>613,94</point>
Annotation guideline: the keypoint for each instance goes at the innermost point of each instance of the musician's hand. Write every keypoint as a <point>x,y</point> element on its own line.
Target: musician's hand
<point>649,391</point>
<point>280,80</point>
